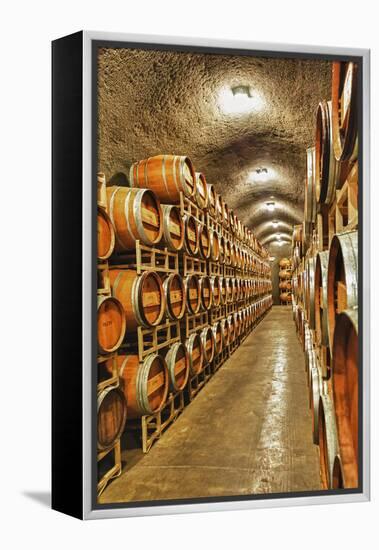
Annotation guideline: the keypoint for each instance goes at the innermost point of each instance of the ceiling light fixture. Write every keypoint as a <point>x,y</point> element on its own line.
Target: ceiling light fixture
<point>270,205</point>
<point>241,90</point>
<point>240,99</point>
<point>275,223</point>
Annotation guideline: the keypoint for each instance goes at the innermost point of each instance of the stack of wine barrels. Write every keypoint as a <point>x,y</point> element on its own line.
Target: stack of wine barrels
<point>285,281</point>
<point>176,255</point>
<point>325,282</point>
<point>111,328</point>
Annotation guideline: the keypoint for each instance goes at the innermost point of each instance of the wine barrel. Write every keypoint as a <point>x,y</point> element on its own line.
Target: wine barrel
<point>204,242</point>
<point>145,385</point>
<point>224,290</point>
<point>321,299</point>
<point>136,214</point>
<point>296,256</point>
<point>216,290</point>
<point>285,274</point>
<point>337,474</point>
<point>177,361</point>
<point>173,228</point>
<point>345,110</point>
<point>229,290</point>
<point>193,298</point>
<point>175,294</point>
<point>142,297</point>
<point>235,289</point>
<point>232,329</point>
<point>191,235</point>
<point>285,263</point>
<point>218,208</point>
<point>310,187</point>
<point>211,200</point>
<point>214,246</point>
<point>297,238</point>
<point>310,264</point>
<point>328,441</point>
<point>225,214</point>
<point>286,297</point>
<point>345,375</point>
<point>342,277</point>
<point>196,353</point>
<point>105,235</point>
<point>227,252</point>
<point>205,292</point>
<point>232,254</point>
<point>207,339</point>
<point>111,324</point>
<point>315,390</point>
<point>225,329</point>
<point>166,175</point>
<point>218,337</point>
<point>111,417</point>
<point>201,192</point>
<point>327,168</point>
<point>232,222</point>
<point>221,259</point>
<point>237,324</point>
<point>285,285</point>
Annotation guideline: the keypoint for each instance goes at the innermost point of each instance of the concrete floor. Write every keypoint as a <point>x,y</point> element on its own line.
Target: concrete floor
<point>248,431</point>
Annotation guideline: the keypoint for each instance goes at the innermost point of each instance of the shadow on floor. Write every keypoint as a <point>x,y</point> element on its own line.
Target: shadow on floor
<point>42,497</point>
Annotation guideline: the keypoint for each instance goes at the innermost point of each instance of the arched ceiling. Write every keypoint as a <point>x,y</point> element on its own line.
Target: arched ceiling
<point>153,102</point>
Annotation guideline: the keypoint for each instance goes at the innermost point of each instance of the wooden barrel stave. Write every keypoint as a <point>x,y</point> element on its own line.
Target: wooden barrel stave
<point>166,175</point>
<point>145,385</point>
<point>175,296</point>
<point>207,340</point>
<point>191,235</point>
<point>321,299</point>
<point>193,297</point>
<point>345,373</point>
<point>344,110</point>
<point>328,440</point>
<point>201,193</point>
<point>195,350</point>
<point>342,277</point>
<point>106,238</point>
<point>111,324</point>
<point>111,417</point>
<point>206,296</point>
<point>136,214</point>
<point>142,297</point>
<point>177,361</point>
<point>173,228</point>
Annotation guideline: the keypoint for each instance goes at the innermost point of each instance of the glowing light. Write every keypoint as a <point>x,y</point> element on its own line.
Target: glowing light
<point>262,175</point>
<point>275,223</point>
<point>240,100</point>
<point>270,206</point>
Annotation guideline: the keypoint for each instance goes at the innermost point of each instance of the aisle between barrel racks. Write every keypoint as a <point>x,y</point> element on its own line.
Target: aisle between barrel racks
<point>249,431</point>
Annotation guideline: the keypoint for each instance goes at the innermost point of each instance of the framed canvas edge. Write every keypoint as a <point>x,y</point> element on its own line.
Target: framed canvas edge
<point>87,262</point>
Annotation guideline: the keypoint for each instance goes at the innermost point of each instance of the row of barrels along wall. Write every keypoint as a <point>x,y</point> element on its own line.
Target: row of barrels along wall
<point>111,402</point>
<point>325,281</point>
<point>285,281</point>
<point>171,207</point>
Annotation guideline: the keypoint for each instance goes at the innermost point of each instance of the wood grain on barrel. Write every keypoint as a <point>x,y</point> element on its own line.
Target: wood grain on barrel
<point>166,175</point>
<point>111,324</point>
<point>145,385</point>
<point>111,417</point>
<point>142,297</point>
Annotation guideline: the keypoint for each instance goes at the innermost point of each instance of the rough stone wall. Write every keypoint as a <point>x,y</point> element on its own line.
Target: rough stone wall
<point>153,102</point>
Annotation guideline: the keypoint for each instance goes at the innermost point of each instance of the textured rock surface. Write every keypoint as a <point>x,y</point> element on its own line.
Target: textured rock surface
<point>153,102</point>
